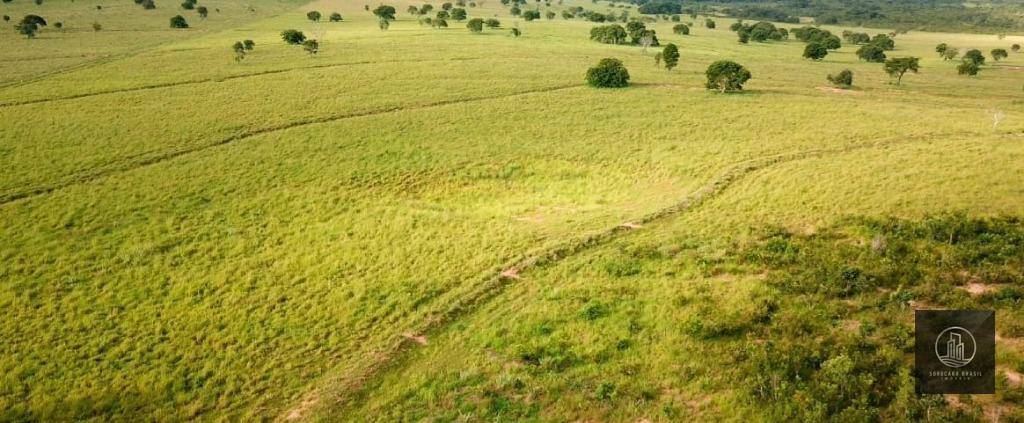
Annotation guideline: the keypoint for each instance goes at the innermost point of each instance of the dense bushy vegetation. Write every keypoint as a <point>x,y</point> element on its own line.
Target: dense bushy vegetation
<point>844,79</point>
<point>609,73</point>
<point>726,76</point>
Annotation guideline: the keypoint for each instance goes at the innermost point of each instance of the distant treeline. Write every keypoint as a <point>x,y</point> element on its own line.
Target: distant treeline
<point>930,15</point>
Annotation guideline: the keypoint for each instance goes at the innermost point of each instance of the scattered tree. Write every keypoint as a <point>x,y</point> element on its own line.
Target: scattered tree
<point>148,4</point>
<point>458,14</point>
<point>670,55</point>
<point>313,16</point>
<point>239,49</point>
<point>516,32</point>
<point>493,23</point>
<point>311,46</point>
<point>335,17</point>
<point>950,53</point>
<point>898,66</point>
<point>844,79</point>
<point>968,67</point>
<point>975,56</point>
<point>413,10</point>
<point>1015,48</point>
<point>941,49</point>
<point>815,51</point>
<point>710,24</point>
<point>999,54</point>
<point>96,26</point>
<point>475,25</point>
<point>871,53</point>
<point>515,11</point>
<point>726,76</point>
<point>884,41</point>
<point>386,14</point>
<point>609,34</point>
<point>440,23</point>
<point>188,4</point>
<point>28,29</point>
<point>179,22</point>
<point>609,73</point>
<point>442,14</point>
<point>249,45</point>
<point>681,29</point>
<point>549,15</point>
<point>293,37</point>
<point>530,15</point>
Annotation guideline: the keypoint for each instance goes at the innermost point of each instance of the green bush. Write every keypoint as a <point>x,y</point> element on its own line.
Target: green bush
<point>726,76</point>
<point>293,37</point>
<point>609,73</point>
<point>844,79</point>
<point>179,22</point>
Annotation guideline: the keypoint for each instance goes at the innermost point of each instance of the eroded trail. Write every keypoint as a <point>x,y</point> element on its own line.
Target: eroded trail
<point>337,389</point>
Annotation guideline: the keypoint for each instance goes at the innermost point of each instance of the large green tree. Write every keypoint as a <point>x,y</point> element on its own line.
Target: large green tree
<point>899,66</point>
<point>726,76</point>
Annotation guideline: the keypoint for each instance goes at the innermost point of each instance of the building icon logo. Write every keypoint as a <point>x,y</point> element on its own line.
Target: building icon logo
<point>955,347</point>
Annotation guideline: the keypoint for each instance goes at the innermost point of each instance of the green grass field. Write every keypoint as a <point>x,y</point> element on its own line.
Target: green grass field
<point>431,224</point>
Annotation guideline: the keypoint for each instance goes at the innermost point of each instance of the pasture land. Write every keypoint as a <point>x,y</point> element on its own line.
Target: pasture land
<point>184,235</point>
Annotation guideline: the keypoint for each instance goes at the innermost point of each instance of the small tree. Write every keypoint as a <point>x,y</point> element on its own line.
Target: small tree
<point>188,4</point>
<point>313,16</point>
<point>670,55</point>
<point>941,49</point>
<point>386,14</point>
<point>442,14</point>
<point>293,37</point>
<point>7,18</point>
<point>413,10</point>
<point>179,22</point>
<point>440,23</point>
<point>239,49</point>
<point>493,23</point>
<point>743,35</point>
<point>148,4</point>
<point>844,79</point>
<point>975,56</point>
<point>311,46</point>
<point>999,54</point>
<point>97,27</point>
<point>475,25</point>
<point>726,76</point>
<point>1015,48</point>
<point>458,14</point>
<point>609,73</point>
<point>681,29</point>
<point>710,24</point>
<point>531,15</point>
<point>871,53</point>
<point>898,66</point>
<point>249,45</point>
<point>549,15</point>
<point>968,67</point>
<point>446,6</point>
<point>516,32</point>
<point>815,51</point>
<point>950,53</point>
<point>28,29</point>
<point>335,17</point>
<point>515,11</point>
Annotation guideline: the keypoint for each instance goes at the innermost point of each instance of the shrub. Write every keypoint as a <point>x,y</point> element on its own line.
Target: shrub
<point>710,24</point>
<point>7,18</point>
<point>726,76</point>
<point>968,67</point>
<point>475,25</point>
<point>681,29</point>
<point>188,4</point>
<point>28,29</point>
<point>96,26</point>
<point>293,37</point>
<point>493,23</point>
<point>516,32</point>
<point>975,56</point>
<point>609,34</point>
<point>950,53</point>
<point>844,79</point>
<point>442,15</point>
<point>179,22</point>
<point>670,55</point>
<point>34,19</point>
<point>999,54</point>
<point>609,73</point>
<point>313,16</point>
<point>815,51</point>
<point>203,11</point>
<point>458,14</point>
<point>871,53</point>
<point>386,14</point>
<point>239,49</point>
<point>311,46</point>
<point>439,23</point>
<point>549,15</point>
<point>335,17</point>
<point>1015,48</point>
<point>941,49</point>
<point>530,15</point>
<point>148,4</point>
<point>515,11</point>
<point>249,45</point>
